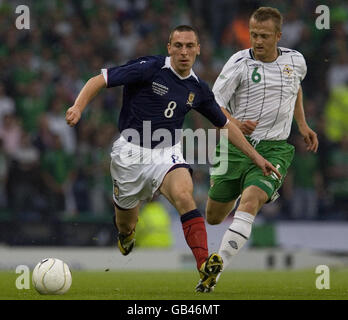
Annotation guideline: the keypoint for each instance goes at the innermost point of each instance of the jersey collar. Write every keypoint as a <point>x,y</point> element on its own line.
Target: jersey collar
<point>168,65</point>
<point>251,53</point>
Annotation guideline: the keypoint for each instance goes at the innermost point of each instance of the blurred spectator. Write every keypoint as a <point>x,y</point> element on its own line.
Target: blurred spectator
<point>336,113</point>
<point>338,174</point>
<point>7,104</point>
<point>305,181</point>
<point>127,41</point>
<point>32,104</point>
<point>3,177</point>
<point>129,7</point>
<point>57,125</point>
<point>206,66</point>
<point>25,184</point>
<point>292,29</point>
<point>101,194</point>
<point>147,24</point>
<point>236,34</point>
<point>84,168</point>
<point>58,174</point>
<point>154,227</point>
<point>43,139</point>
<point>10,133</point>
<point>338,72</point>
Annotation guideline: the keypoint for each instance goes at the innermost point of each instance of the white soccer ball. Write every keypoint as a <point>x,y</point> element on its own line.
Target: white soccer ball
<point>51,276</point>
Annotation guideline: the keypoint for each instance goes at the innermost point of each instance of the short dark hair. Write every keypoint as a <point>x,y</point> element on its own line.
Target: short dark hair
<point>266,13</point>
<point>183,28</point>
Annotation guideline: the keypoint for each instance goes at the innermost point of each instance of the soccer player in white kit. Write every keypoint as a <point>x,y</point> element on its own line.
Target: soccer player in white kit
<point>260,90</point>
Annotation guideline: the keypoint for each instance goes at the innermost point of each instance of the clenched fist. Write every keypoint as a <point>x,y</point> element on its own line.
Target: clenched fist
<point>248,127</point>
<point>72,116</point>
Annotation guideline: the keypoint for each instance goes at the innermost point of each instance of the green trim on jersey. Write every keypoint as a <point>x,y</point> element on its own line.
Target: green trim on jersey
<point>242,172</point>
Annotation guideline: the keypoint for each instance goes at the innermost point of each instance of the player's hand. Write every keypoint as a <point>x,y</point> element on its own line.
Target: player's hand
<point>267,167</point>
<point>310,138</point>
<point>248,126</point>
<point>72,116</point>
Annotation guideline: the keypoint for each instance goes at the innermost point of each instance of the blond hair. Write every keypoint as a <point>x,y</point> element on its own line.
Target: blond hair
<point>266,13</point>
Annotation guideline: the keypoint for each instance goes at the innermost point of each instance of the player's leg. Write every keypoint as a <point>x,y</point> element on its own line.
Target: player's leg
<point>257,190</point>
<point>238,233</point>
<point>125,221</point>
<point>223,194</point>
<point>127,184</point>
<point>177,187</point>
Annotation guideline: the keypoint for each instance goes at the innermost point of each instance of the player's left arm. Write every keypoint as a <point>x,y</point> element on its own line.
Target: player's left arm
<point>309,136</point>
<point>236,137</point>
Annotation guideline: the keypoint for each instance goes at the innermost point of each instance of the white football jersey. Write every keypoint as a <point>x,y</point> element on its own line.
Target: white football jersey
<point>262,91</point>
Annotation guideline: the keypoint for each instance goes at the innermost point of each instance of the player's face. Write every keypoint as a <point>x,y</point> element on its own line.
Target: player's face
<point>183,50</point>
<point>264,38</point>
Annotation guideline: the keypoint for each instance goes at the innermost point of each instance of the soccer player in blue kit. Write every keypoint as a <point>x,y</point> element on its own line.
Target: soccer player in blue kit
<point>160,91</point>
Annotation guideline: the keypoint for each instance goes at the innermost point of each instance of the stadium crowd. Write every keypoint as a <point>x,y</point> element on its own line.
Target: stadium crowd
<point>49,170</point>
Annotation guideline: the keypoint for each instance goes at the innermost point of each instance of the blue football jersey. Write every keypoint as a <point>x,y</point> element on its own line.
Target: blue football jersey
<point>155,94</point>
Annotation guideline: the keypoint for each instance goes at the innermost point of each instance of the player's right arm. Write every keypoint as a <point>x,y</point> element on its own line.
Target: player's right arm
<point>88,92</point>
<point>226,85</point>
<point>135,71</point>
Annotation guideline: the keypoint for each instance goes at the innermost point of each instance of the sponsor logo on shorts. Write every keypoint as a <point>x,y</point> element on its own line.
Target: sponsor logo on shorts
<point>212,182</point>
<point>154,183</point>
<point>116,189</point>
<point>267,183</point>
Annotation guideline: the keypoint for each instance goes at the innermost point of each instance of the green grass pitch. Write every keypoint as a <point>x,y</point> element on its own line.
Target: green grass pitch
<point>165,285</point>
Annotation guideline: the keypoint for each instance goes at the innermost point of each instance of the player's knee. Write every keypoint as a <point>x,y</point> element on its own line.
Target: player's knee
<point>250,205</point>
<point>213,219</point>
<point>216,212</point>
<point>252,200</point>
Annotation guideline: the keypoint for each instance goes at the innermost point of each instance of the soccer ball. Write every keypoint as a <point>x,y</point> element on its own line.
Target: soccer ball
<point>51,276</point>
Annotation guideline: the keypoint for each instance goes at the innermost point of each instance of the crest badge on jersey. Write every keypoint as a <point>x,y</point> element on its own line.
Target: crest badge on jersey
<point>190,99</point>
<point>287,70</point>
<point>289,73</point>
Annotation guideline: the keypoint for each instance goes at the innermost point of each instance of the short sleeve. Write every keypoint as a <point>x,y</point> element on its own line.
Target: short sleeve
<point>228,80</point>
<point>134,71</point>
<point>303,68</point>
<point>300,64</point>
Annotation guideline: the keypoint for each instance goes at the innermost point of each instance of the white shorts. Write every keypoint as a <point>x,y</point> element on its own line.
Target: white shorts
<point>138,172</point>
